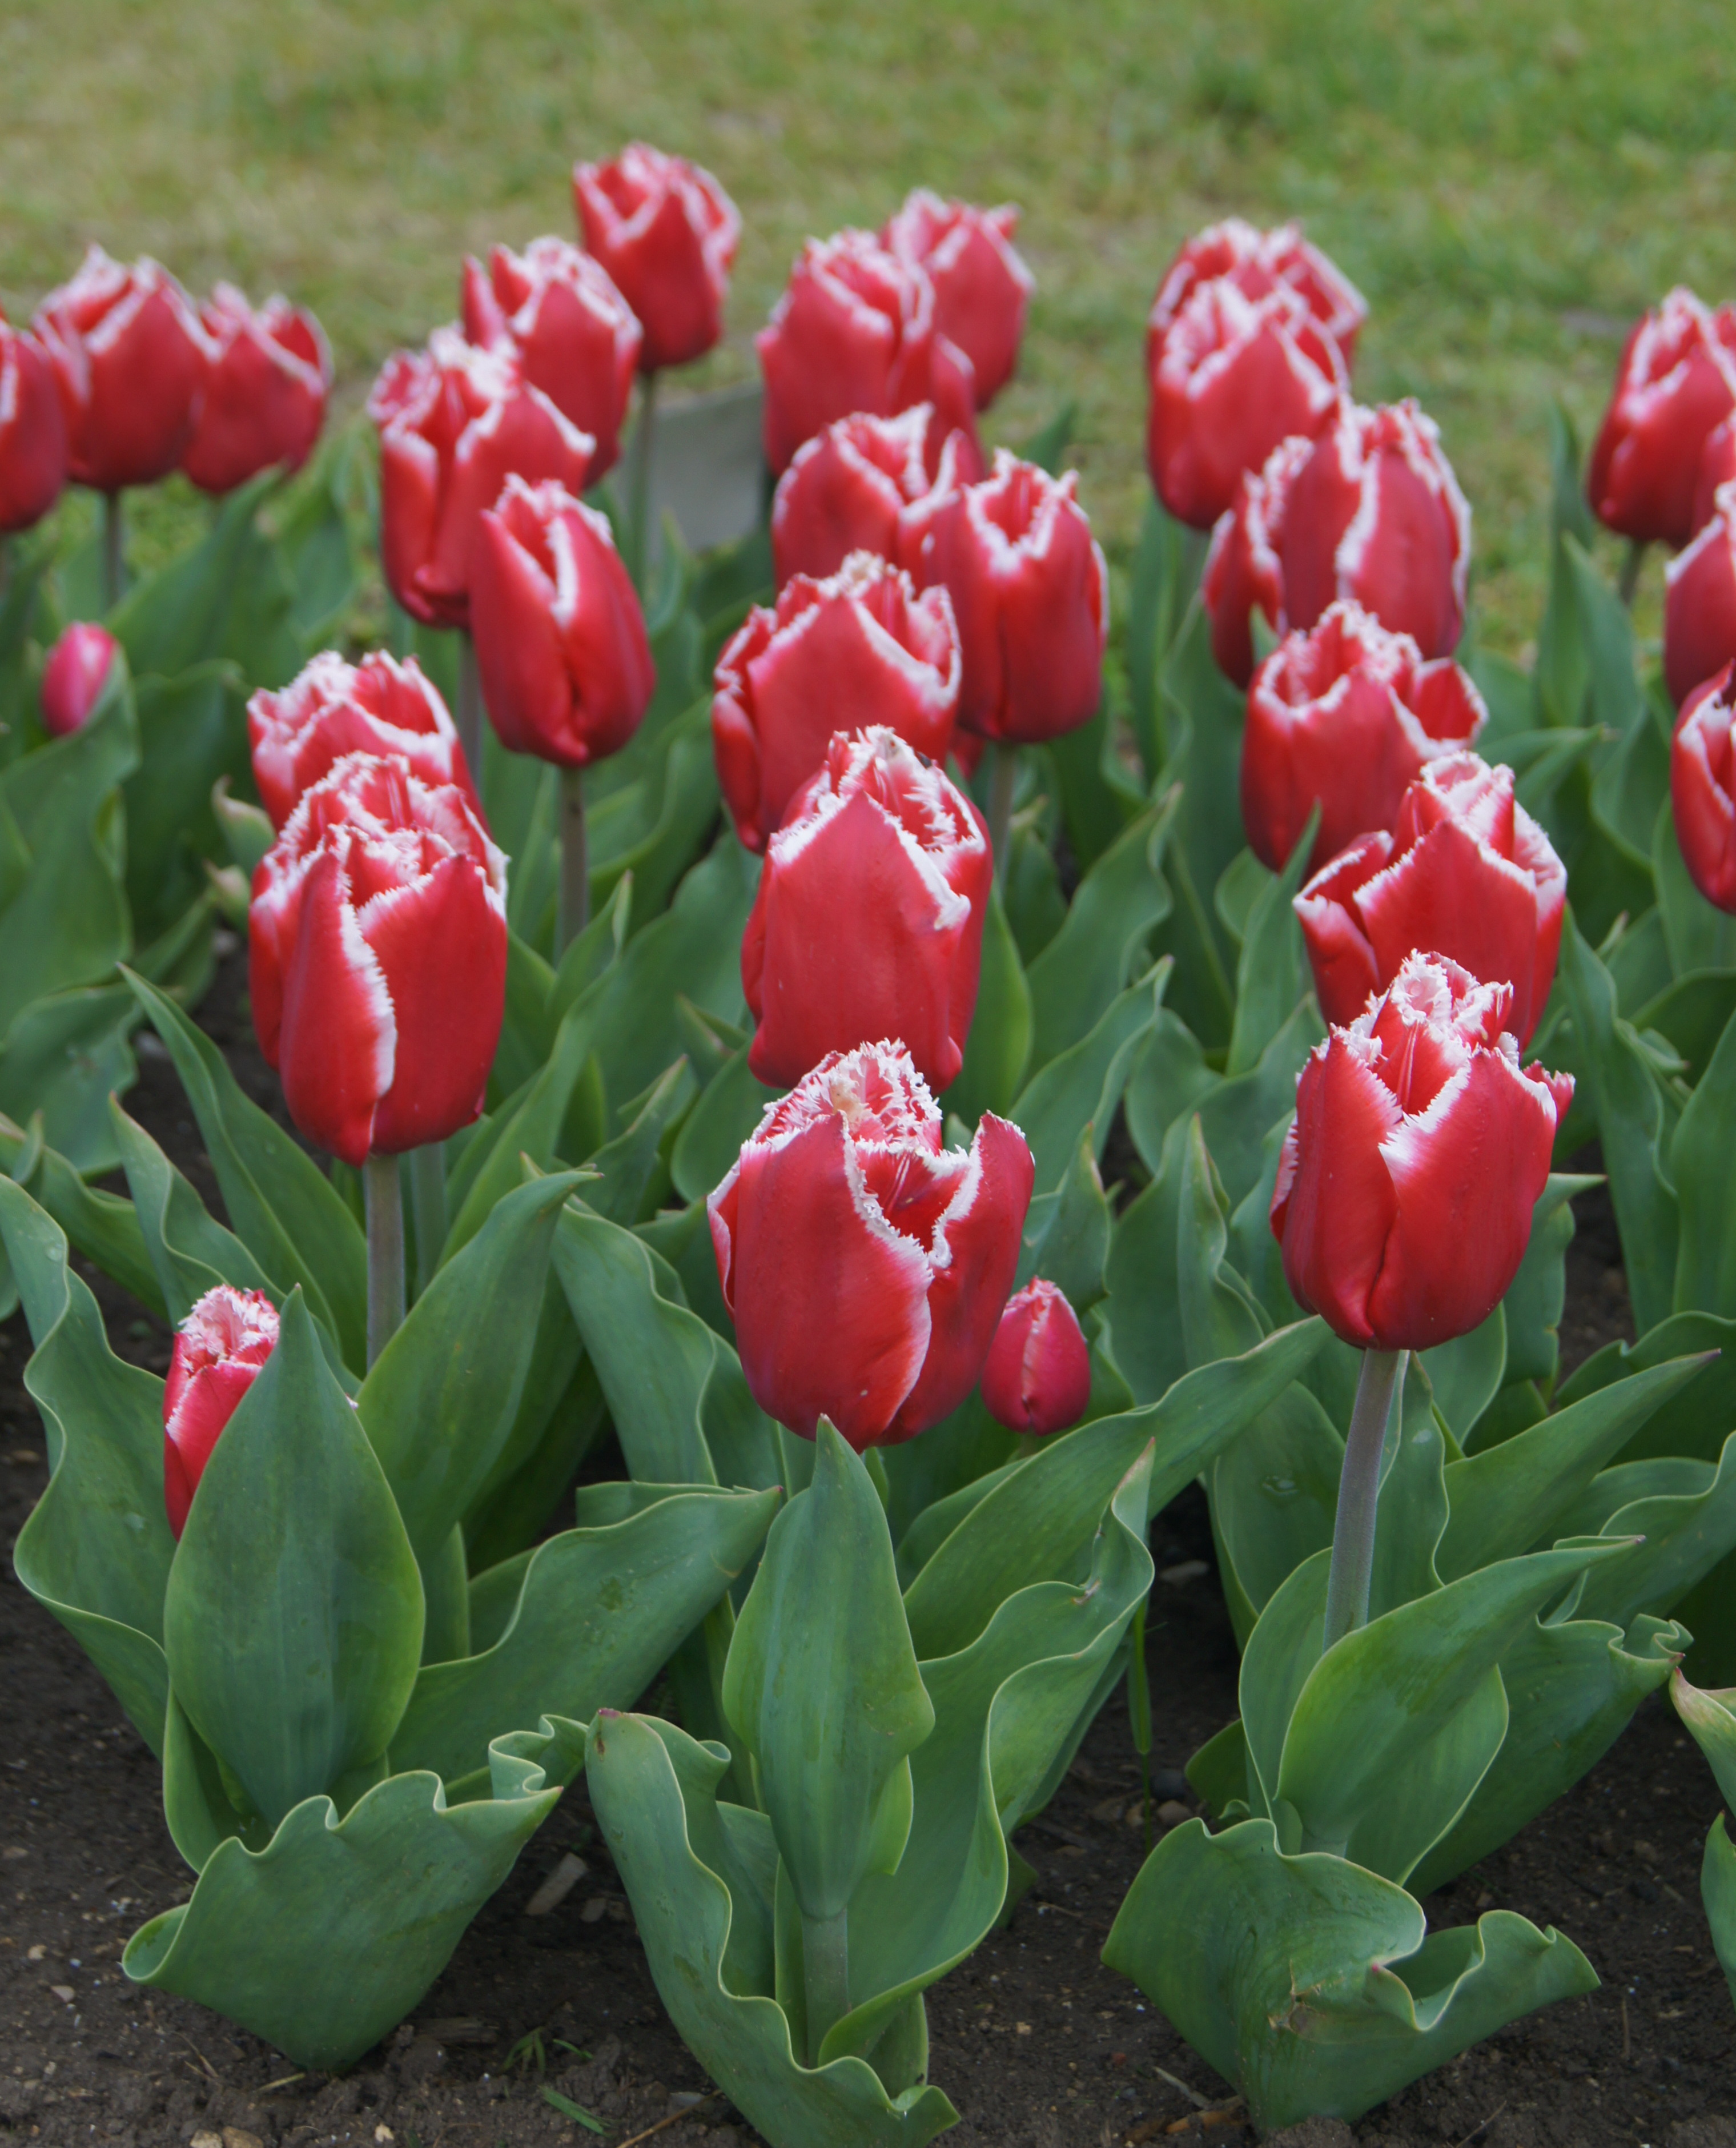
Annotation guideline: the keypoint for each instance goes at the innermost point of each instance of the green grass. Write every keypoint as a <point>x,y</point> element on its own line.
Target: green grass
<point>1508,184</point>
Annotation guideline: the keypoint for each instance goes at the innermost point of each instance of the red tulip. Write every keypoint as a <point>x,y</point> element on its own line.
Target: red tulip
<point>1465,871</point>
<point>1347,714</point>
<point>865,1265</point>
<point>455,422</point>
<point>1702,787</point>
<point>1418,1149</point>
<point>1700,602</point>
<point>847,489</point>
<point>1259,263</point>
<point>219,1349</point>
<point>1676,382</point>
<point>1031,593</point>
<point>1037,1379</point>
<point>130,361</point>
<point>1243,570</point>
<point>74,676</point>
<point>1718,468</point>
<point>868,921</point>
<point>331,708</point>
<point>981,287</point>
<point>667,233</point>
<point>854,331</point>
<point>378,959</point>
<point>33,432</point>
<point>560,640</point>
<point>858,650</point>
<point>574,336</point>
<point>265,394</point>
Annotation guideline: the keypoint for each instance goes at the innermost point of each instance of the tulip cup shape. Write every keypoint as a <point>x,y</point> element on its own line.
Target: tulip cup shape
<point>557,310</point>
<point>1699,603</point>
<point>1419,1147</point>
<point>1675,383</point>
<point>667,233</point>
<point>219,1349</point>
<point>561,640</point>
<point>1465,871</point>
<point>455,422</point>
<point>1037,1379</point>
<point>1030,592</point>
<point>865,1265</point>
<point>1718,468</point>
<point>33,432</point>
<point>868,922</point>
<point>265,393</point>
<point>1702,787</point>
<point>1243,570</point>
<point>854,331</point>
<point>1346,714</point>
<point>849,489</point>
<point>858,650</point>
<point>384,705</point>
<point>74,676</point>
<point>130,359</point>
<point>982,289</point>
<point>1258,262</point>
<point>377,959</point>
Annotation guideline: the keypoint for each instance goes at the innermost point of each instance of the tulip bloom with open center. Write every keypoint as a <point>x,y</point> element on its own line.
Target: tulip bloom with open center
<point>219,1349</point>
<point>384,705</point>
<point>849,490</point>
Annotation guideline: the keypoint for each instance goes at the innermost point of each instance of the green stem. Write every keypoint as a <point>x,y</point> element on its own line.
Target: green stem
<point>1379,1385</point>
<point>468,716</point>
<point>574,872</point>
<point>1003,781</point>
<point>639,483</point>
<point>385,1201</point>
<point>1631,566</point>
<point>825,1964</point>
<point>427,1197</point>
<point>114,551</point>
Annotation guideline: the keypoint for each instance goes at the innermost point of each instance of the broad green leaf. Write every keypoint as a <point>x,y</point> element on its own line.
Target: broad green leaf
<point>1703,1168</point>
<point>527,1028</point>
<point>1030,887</point>
<point>1165,573</point>
<point>228,596</point>
<point>1099,794</point>
<point>1086,1082</point>
<point>997,1051</point>
<point>193,731</point>
<point>560,1418</point>
<point>1711,1721</point>
<point>103,1227</point>
<point>1240,886</point>
<point>1047,447</point>
<point>1150,1345</point>
<point>527,1124</point>
<point>1692,1012</point>
<point>726,1114</point>
<point>1532,1307</point>
<point>189,1250</point>
<point>632,1176</point>
<point>1633,781</point>
<point>1271,973</point>
<point>1100,949</point>
<point>1169,1079</point>
<point>1698,1419</point>
<point>1238,1115</point>
<point>1199,720</point>
<point>62,1057</point>
<point>1684,1533</point>
<point>1468,1372</point>
<point>1718,1894</point>
<point>1066,1233</point>
<point>1700,937</point>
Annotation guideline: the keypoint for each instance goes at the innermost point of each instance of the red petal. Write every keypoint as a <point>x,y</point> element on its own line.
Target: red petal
<point>338,1037</point>
<point>1338,1208</point>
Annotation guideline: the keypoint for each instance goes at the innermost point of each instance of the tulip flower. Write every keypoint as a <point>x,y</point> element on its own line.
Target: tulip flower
<point>1718,468</point>
<point>1243,570</point>
<point>573,335</point>
<point>455,422</point>
<point>847,490</point>
<point>381,705</point>
<point>868,922</point>
<point>865,1265</point>
<point>265,392</point>
<point>1675,383</point>
<point>981,287</point>
<point>1037,1379</point>
<point>1465,871</point>
<point>854,330</point>
<point>33,432</point>
<point>74,676</point>
<point>666,232</point>
<point>1346,714</point>
<point>858,650</point>
<point>1702,787</point>
<point>1258,263</point>
<point>219,1349</point>
<point>1700,602</point>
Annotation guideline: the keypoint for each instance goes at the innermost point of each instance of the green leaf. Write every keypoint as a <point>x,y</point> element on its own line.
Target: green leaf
<point>189,1250</point>
<point>103,1227</point>
<point>62,1055</point>
<point>1068,1232</point>
<point>1711,1722</point>
<point>192,731</point>
<point>1718,1894</point>
<point>1531,1307</point>
<point>1101,946</point>
<point>527,1124</point>
<point>1170,1078</point>
<point>1086,1083</point>
<point>997,1051</point>
<point>1700,937</point>
<point>1047,447</point>
<point>1686,1526</point>
<point>568,2108</point>
<point>247,830</point>
<point>1272,974</point>
<point>1703,1168</point>
<point>1164,575</point>
<point>228,596</point>
<point>726,1114</point>
<point>1692,1013</point>
<point>1468,1372</point>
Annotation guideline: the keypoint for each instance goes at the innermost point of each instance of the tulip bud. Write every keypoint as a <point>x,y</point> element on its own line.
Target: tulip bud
<point>865,1265</point>
<point>378,959</point>
<point>265,394</point>
<point>1037,1379</point>
<point>219,1349</point>
<point>1030,592</point>
<point>560,640</point>
<point>1465,871</point>
<point>858,650</point>
<point>1256,262</point>
<point>1702,787</point>
<point>1346,714</point>
<point>666,232</point>
<point>1718,468</point>
<point>1675,383</point>
<point>1700,602</point>
<point>1418,1149</point>
<point>854,331</point>
<point>981,287</point>
<point>33,432</point>
<point>381,705</point>
<point>847,490</point>
<point>573,335</point>
<point>1243,568</point>
<point>869,918</point>
<point>130,359</point>
<point>74,676</point>
<point>455,422</point>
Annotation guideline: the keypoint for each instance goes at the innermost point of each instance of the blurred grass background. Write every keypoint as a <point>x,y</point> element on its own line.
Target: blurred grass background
<point>1509,182</point>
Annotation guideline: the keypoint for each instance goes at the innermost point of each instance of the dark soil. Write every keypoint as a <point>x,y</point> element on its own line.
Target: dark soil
<point>1036,2044</point>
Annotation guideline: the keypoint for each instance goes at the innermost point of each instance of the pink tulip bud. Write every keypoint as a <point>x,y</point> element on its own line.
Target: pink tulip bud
<point>849,490</point>
<point>1700,602</point>
<point>265,393</point>
<point>1702,787</point>
<point>1037,1379</point>
<point>381,705</point>
<point>219,1349</point>
<point>33,432</point>
<point>1675,383</point>
<point>667,233</point>
<point>74,676</point>
<point>981,287</point>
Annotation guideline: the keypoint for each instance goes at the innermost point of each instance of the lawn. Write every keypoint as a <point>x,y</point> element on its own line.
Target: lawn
<point>1508,184</point>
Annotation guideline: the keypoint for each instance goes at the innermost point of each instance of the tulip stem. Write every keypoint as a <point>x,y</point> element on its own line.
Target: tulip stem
<point>639,483</point>
<point>574,870</point>
<point>114,551</point>
<point>1003,781</point>
<point>385,1199</point>
<point>428,1197</point>
<point>468,712</point>
<point>1631,566</point>
<point>1379,1385</point>
<point>825,1970</point>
